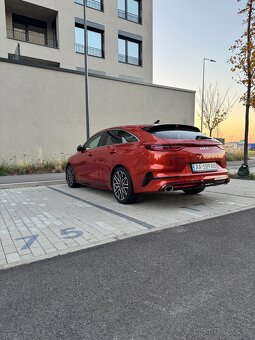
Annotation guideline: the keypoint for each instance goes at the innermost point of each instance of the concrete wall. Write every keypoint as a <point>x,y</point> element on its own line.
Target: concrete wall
<point>42,110</point>
<point>67,11</point>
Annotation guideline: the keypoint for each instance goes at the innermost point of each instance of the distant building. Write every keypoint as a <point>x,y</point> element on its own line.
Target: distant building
<point>235,146</point>
<point>252,146</point>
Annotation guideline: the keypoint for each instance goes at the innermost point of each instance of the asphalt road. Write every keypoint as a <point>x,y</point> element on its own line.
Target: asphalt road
<point>32,178</point>
<point>191,282</point>
<point>7,182</point>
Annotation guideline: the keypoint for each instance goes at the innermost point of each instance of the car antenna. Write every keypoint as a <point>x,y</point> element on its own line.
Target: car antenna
<point>157,122</point>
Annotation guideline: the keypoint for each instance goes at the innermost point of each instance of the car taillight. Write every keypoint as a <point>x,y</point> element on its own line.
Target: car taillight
<point>220,146</point>
<point>158,147</point>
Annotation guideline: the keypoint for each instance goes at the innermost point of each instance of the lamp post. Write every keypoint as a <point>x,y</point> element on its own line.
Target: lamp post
<point>203,90</point>
<point>86,69</point>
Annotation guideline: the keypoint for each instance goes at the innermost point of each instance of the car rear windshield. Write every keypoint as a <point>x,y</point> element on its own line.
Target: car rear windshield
<point>179,134</point>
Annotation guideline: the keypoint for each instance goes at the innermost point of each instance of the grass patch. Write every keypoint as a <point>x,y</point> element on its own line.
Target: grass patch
<point>237,155</point>
<point>27,168</point>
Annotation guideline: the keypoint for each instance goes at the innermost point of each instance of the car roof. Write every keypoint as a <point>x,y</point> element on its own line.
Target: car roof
<point>125,127</point>
<point>155,127</point>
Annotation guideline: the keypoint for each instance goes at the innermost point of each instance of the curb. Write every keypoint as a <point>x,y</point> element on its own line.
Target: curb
<point>31,184</point>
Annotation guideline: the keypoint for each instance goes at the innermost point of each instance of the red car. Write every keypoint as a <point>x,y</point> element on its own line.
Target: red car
<point>148,158</point>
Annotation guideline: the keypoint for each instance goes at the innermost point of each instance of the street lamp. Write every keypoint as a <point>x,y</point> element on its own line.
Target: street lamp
<point>86,69</point>
<point>203,89</point>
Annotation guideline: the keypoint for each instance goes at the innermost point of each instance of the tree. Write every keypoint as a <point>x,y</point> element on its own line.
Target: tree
<point>243,64</point>
<point>216,106</point>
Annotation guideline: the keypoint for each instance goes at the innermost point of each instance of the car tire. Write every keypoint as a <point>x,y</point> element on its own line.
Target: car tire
<point>122,186</point>
<point>70,177</point>
<point>193,191</point>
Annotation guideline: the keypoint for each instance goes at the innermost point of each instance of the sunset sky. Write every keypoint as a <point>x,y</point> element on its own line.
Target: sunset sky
<point>187,31</point>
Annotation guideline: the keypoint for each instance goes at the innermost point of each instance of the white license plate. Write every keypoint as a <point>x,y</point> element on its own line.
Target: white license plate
<point>204,167</point>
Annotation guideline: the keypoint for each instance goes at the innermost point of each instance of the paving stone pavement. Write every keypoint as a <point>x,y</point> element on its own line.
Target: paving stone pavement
<point>42,222</point>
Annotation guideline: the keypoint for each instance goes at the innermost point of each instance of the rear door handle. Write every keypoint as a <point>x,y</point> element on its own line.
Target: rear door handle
<point>112,152</point>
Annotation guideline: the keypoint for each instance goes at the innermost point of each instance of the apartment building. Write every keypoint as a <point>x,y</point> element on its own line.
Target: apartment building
<point>52,32</point>
<point>42,73</point>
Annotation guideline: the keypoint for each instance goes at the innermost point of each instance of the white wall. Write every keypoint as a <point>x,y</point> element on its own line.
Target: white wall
<point>44,109</point>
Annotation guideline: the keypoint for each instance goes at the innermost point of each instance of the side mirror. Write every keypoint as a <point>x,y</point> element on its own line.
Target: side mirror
<point>80,148</point>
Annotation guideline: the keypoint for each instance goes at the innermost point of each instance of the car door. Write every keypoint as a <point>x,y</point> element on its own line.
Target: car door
<point>85,165</point>
<point>101,159</point>
<point>112,141</point>
<point>120,146</point>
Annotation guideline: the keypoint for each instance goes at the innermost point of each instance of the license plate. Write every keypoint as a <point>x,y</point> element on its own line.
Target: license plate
<point>204,167</point>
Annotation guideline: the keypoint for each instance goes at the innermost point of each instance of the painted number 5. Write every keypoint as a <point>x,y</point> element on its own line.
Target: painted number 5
<point>70,233</point>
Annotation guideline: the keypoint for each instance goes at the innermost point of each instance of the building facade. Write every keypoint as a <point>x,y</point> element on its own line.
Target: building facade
<point>52,32</point>
<point>42,111</point>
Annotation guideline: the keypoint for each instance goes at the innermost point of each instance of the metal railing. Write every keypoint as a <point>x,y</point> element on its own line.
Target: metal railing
<point>38,39</point>
<point>129,16</point>
<point>123,58</point>
<point>98,5</point>
<point>92,51</point>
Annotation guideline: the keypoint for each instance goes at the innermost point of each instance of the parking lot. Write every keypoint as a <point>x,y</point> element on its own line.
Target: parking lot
<point>46,221</point>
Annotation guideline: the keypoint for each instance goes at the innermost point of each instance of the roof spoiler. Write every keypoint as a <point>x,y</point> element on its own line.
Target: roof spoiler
<point>173,127</point>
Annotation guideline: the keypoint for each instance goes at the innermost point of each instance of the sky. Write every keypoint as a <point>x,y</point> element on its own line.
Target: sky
<point>185,32</point>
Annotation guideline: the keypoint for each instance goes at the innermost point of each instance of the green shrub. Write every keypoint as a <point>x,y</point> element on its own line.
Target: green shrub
<point>237,155</point>
<point>26,168</point>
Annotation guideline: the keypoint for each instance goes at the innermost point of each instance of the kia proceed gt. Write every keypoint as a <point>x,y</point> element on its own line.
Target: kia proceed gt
<point>130,160</point>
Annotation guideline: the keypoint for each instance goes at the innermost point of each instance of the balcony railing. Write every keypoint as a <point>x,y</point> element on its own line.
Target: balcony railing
<point>123,58</point>
<point>98,5</point>
<point>129,16</point>
<point>38,39</point>
<point>92,51</point>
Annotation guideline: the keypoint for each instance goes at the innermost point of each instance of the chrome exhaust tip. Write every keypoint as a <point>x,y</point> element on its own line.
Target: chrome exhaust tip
<point>168,188</point>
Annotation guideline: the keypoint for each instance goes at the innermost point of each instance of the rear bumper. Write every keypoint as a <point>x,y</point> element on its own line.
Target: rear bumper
<point>191,181</point>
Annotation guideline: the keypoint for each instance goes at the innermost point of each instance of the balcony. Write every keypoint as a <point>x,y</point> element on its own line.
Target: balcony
<point>92,51</point>
<point>33,38</point>
<point>97,5</point>
<point>129,16</point>
<point>27,22</point>
<point>123,58</point>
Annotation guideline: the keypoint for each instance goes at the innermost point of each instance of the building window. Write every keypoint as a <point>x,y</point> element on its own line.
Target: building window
<point>130,10</point>
<point>95,41</point>
<point>31,30</point>
<point>129,51</point>
<point>95,4</point>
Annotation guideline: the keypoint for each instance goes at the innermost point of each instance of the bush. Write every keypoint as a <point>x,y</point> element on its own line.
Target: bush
<point>237,155</point>
<point>234,156</point>
<point>26,168</point>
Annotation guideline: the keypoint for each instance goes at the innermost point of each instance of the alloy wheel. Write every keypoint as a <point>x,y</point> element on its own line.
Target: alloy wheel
<point>120,185</point>
<point>70,177</point>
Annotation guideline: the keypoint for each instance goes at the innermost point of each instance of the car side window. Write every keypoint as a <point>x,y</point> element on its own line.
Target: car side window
<point>112,138</point>
<point>93,142</point>
<point>127,137</point>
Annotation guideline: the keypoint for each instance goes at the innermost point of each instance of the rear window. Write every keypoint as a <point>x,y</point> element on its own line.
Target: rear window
<point>179,134</point>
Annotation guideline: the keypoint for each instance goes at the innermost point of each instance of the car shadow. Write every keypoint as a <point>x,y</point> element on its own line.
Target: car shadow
<point>164,199</point>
